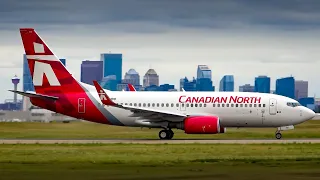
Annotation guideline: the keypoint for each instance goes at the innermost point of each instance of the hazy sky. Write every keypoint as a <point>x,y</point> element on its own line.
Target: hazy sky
<point>245,38</point>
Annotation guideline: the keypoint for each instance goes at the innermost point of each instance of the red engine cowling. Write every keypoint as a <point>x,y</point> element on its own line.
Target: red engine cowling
<point>203,125</point>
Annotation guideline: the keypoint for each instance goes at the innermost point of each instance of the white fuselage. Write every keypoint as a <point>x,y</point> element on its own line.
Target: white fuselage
<point>235,109</point>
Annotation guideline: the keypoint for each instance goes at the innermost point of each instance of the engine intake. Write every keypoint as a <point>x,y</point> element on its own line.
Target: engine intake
<point>201,125</point>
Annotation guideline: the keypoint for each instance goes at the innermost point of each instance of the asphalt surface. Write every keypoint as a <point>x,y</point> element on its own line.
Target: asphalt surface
<point>155,141</point>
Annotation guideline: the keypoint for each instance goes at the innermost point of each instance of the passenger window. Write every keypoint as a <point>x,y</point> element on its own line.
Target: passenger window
<point>250,105</point>
<point>191,105</point>
<point>162,105</point>
<point>245,105</point>
<point>259,105</point>
<point>227,105</point>
<point>153,104</point>
<point>195,105</point>
<point>144,104</point>
<point>177,104</point>
<point>241,105</point>
<point>125,103</point>
<point>205,105</point>
<point>157,104</point>
<point>255,105</point>
<point>231,105</point>
<point>222,105</point>
<point>172,104</point>
<point>218,105</point>
<point>187,105</point>
<point>264,105</point>
<point>236,105</point>
<point>167,104</point>
<point>214,105</point>
<point>135,104</point>
<point>139,104</point>
<point>182,105</point>
<point>200,105</point>
<point>148,104</point>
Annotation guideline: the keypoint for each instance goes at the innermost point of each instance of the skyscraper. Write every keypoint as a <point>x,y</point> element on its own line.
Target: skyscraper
<point>285,87</point>
<point>188,85</point>
<point>27,79</point>
<point>204,82</point>
<point>91,70</point>
<point>150,78</point>
<point>132,77</point>
<point>203,72</point>
<point>262,84</point>
<point>227,83</point>
<point>301,89</point>
<point>109,82</point>
<point>112,65</point>
<point>246,88</point>
<point>63,61</point>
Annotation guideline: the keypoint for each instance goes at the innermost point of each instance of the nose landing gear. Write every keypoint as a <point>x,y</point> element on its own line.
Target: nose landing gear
<point>278,134</point>
<point>166,134</point>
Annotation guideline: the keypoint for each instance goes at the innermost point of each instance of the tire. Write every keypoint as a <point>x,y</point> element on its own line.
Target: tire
<point>163,134</point>
<point>278,135</point>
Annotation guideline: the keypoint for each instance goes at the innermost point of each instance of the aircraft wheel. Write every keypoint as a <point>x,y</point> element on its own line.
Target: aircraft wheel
<point>171,133</point>
<point>163,134</point>
<point>278,135</point>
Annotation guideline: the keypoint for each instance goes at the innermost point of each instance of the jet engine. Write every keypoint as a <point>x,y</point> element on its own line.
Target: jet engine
<point>201,125</point>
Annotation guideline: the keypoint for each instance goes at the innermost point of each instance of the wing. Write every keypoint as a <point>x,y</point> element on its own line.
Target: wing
<point>143,113</point>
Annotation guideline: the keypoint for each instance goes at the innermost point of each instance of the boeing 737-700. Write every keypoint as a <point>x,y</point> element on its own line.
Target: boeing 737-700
<point>194,112</point>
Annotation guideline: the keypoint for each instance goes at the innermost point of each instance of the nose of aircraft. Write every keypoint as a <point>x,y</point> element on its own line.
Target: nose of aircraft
<point>308,113</point>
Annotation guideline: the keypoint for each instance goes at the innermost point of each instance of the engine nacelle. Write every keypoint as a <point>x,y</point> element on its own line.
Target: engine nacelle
<point>202,125</point>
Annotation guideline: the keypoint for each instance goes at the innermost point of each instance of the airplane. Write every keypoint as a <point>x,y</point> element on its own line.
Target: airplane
<point>193,112</point>
<point>131,87</point>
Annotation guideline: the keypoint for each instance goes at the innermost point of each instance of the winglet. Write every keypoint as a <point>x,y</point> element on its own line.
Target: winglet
<point>103,95</point>
<point>131,87</point>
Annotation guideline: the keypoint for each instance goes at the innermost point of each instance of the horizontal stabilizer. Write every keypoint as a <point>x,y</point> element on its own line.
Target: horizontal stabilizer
<point>35,95</point>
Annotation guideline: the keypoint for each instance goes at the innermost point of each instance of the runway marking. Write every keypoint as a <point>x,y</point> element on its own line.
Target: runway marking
<point>155,141</point>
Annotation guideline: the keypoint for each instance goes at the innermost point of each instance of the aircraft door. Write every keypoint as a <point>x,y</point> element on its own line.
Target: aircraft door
<point>182,106</point>
<point>81,105</point>
<point>273,106</point>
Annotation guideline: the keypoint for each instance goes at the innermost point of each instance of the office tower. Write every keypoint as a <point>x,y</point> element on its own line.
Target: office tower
<point>109,82</point>
<point>227,83</point>
<point>132,77</point>
<point>189,85</point>
<point>150,78</point>
<point>262,84</point>
<point>301,89</point>
<point>246,88</point>
<point>203,72</point>
<point>285,87</point>
<point>112,65</point>
<point>27,79</point>
<point>91,70</point>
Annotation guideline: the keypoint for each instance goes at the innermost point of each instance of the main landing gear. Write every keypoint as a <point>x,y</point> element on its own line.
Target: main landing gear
<point>166,134</point>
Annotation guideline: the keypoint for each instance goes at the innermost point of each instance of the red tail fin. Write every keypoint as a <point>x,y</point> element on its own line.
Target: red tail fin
<point>131,87</point>
<point>48,73</point>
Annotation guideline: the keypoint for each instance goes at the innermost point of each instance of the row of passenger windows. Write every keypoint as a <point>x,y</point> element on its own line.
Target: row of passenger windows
<point>191,105</point>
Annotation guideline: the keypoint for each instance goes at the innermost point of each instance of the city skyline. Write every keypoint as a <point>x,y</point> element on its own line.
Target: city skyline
<point>243,38</point>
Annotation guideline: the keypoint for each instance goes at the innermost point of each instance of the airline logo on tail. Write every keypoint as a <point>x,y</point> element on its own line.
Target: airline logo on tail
<point>41,70</point>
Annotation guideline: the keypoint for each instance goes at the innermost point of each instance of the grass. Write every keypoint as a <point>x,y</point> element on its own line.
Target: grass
<point>168,161</point>
<point>87,130</point>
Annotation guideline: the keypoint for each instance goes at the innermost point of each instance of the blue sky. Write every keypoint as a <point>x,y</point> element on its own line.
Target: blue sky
<point>245,38</point>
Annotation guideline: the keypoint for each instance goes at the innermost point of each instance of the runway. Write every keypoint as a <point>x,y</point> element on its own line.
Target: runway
<point>155,141</point>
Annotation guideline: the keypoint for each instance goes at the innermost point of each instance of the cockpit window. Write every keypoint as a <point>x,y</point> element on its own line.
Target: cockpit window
<point>293,104</point>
